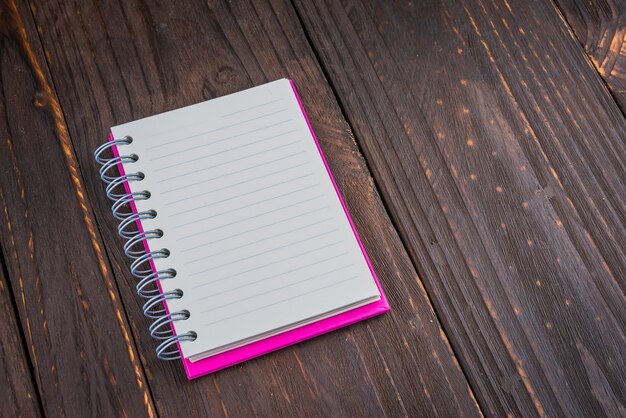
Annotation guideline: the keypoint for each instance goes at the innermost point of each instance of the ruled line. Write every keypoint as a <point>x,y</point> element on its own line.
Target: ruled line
<point>240,195</point>
<point>208,144</point>
<point>241,220</point>
<point>253,107</point>
<point>221,152</point>
<point>273,276</point>
<point>292,256</point>
<point>230,186</point>
<point>267,251</point>
<point>251,204</point>
<point>178,128</point>
<point>281,301</point>
<point>221,128</point>
<point>228,162</point>
<point>232,172</point>
<point>214,308</point>
<point>266,238</point>
<point>204,244</point>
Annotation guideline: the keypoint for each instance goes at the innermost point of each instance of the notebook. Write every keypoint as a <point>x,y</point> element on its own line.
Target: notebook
<point>240,241</point>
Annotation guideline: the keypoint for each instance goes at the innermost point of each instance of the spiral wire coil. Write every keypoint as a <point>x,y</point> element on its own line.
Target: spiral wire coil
<point>141,267</point>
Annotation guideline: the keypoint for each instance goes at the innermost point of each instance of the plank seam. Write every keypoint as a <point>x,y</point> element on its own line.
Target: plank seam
<point>23,342</point>
<point>94,217</point>
<point>384,203</point>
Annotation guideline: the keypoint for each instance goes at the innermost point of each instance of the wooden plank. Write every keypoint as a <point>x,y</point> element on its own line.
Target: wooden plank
<point>77,336</point>
<point>18,393</point>
<point>502,161</point>
<point>600,27</point>
<point>114,63</point>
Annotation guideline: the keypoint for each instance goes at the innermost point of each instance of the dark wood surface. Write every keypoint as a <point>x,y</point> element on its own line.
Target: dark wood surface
<point>475,143</point>
<point>18,395</point>
<point>79,341</point>
<point>502,160</point>
<point>600,27</point>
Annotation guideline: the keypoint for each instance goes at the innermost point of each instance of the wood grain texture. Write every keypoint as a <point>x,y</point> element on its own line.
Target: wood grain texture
<point>115,62</point>
<point>600,26</point>
<point>78,340</point>
<point>18,393</point>
<point>501,158</point>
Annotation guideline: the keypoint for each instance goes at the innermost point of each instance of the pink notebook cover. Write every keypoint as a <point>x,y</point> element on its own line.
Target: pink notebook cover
<point>285,339</point>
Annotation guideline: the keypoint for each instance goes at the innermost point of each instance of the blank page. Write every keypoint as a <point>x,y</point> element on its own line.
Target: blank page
<point>253,223</point>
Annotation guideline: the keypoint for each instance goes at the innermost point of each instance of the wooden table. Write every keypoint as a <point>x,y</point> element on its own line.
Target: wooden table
<point>479,145</point>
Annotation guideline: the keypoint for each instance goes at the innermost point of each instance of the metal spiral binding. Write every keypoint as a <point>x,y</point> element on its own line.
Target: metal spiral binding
<point>141,268</point>
<point>122,228</point>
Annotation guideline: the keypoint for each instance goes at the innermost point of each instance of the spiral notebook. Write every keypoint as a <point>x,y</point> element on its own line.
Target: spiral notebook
<point>240,241</point>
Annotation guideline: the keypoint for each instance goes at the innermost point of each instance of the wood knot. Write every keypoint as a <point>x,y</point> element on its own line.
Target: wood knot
<point>41,100</point>
<point>224,75</point>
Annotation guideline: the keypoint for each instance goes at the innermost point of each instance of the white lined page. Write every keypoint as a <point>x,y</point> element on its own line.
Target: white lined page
<point>253,223</point>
